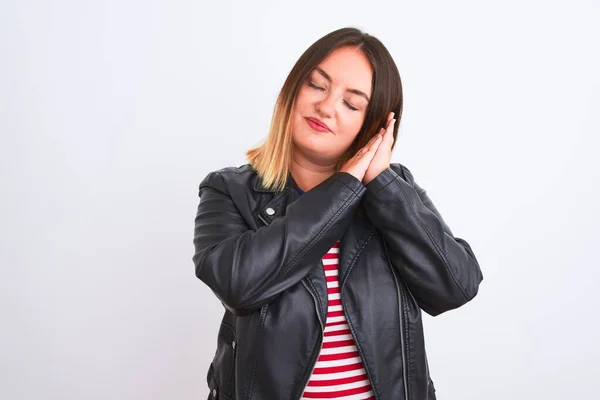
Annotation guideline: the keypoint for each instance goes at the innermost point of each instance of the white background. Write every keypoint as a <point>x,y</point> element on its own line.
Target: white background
<point>112,112</point>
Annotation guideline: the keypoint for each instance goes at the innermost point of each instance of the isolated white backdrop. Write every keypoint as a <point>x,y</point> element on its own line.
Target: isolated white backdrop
<point>112,112</point>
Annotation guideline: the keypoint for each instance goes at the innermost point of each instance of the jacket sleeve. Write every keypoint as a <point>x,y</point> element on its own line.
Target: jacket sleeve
<point>439,268</point>
<point>248,268</point>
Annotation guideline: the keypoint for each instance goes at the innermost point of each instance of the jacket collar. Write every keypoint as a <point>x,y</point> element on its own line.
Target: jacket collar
<point>257,184</point>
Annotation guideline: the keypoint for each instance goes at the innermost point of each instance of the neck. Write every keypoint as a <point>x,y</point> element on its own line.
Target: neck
<point>308,175</point>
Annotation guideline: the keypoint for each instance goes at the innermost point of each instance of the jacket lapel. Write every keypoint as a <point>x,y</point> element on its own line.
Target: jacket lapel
<point>353,242</point>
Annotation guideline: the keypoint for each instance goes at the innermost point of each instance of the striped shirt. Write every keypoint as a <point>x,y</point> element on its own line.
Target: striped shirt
<point>339,372</point>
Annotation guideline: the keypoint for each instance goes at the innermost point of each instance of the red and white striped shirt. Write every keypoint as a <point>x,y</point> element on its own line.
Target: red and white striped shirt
<point>339,372</point>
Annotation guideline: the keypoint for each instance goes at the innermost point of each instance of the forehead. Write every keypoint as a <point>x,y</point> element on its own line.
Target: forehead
<point>350,68</point>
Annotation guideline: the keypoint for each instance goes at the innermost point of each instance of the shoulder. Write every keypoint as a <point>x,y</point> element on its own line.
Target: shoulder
<point>223,178</point>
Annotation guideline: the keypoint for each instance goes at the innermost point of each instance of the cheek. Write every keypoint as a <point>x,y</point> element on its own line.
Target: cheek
<point>303,99</point>
<point>351,125</point>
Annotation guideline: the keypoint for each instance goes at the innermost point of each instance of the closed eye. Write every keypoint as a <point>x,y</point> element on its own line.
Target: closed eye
<point>312,85</point>
<point>349,106</point>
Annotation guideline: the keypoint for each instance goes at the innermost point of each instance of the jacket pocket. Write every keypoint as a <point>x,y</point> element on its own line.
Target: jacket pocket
<point>222,372</point>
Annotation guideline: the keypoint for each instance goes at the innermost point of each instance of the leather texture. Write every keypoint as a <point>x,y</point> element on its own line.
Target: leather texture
<point>260,252</point>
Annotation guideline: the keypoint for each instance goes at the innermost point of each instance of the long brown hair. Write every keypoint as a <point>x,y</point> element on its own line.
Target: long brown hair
<point>272,159</point>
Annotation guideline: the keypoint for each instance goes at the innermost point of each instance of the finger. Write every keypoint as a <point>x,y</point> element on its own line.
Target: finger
<point>370,143</point>
<point>370,154</point>
<point>373,147</point>
<point>390,122</point>
<point>380,133</point>
<point>389,132</point>
<point>374,138</point>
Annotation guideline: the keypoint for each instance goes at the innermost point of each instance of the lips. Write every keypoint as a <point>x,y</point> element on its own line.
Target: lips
<point>318,125</point>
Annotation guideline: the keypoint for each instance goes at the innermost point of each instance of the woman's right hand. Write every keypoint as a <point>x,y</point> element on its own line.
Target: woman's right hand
<point>359,163</point>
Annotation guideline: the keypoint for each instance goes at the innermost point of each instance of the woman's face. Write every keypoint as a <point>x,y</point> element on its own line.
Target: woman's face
<point>337,94</point>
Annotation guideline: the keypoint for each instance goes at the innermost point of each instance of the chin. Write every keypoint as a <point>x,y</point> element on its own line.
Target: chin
<point>315,153</point>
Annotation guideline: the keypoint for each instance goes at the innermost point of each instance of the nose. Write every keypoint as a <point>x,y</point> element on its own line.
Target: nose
<point>326,106</point>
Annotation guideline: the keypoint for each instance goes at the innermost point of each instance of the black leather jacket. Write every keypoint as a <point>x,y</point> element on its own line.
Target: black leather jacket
<point>260,253</point>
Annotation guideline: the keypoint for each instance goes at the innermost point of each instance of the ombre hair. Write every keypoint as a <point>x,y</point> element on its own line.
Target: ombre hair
<point>272,159</point>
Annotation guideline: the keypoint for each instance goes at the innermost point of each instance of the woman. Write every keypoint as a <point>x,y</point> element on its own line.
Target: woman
<point>322,252</point>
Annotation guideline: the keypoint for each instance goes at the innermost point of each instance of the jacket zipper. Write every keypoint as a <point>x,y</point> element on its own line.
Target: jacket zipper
<point>322,332</point>
<point>404,377</point>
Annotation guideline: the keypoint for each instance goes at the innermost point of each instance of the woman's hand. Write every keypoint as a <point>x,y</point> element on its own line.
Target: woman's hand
<point>381,160</point>
<point>358,164</point>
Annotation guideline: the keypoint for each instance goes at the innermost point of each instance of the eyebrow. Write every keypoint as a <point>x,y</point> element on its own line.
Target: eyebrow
<point>355,91</point>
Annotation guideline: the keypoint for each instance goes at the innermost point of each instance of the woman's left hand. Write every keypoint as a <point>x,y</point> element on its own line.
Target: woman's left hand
<point>381,160</point>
